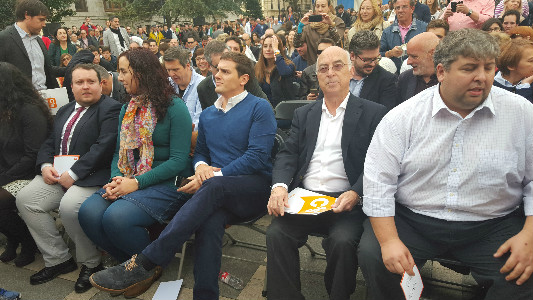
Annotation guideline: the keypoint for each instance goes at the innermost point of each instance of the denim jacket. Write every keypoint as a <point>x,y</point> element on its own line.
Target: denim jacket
<point>391,37</point>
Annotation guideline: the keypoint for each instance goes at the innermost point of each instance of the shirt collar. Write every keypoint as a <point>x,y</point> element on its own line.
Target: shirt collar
<point>231,101</point>
<point>21,32</point>
<point>499,78</point>
<point>341,107</point>
<point>438,103</point>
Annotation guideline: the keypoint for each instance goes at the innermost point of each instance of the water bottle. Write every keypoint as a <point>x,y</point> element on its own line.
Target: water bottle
<point>231,280</point>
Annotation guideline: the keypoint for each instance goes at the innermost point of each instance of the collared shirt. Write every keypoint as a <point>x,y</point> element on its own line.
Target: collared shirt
<point>485,9</point>
<point>190,97</point>
<point>356,86</point>
<point>498,78</point>
<point>36,55</point>
<point>404,30</point>
<point>428,158</point>
<point>326,169</point>
<point>421,84</point>
<point>231,101</point>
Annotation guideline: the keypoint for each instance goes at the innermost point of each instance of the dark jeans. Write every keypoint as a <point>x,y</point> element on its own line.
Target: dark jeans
<point>288,233</point>
<point>219,200</point>
<point>12,225</point>
<point>472,243</point>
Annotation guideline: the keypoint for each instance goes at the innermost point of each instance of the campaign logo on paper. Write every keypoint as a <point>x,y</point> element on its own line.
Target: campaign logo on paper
<point>52,103</point>
<point>316,204</point>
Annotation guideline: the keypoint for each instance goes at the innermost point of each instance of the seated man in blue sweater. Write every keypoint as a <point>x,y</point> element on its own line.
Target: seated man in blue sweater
<point>232,181</point>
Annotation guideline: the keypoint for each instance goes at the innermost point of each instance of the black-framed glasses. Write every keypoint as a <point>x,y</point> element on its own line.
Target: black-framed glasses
<point>369,60</point>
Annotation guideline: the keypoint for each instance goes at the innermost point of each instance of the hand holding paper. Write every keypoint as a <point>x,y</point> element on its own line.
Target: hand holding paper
<point>345,202</point>
<point>305,202</point>
<point>50,175</point>
<point>278,201</point>
<point>412,286</point>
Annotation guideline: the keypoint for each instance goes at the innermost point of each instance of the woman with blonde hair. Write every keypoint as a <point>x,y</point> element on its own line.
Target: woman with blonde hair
<point>275,72</point>
<point>329,26</point>
<point>518,5</point>
<point>370,18</point>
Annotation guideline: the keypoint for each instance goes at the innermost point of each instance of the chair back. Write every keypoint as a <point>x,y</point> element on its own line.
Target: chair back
<point>285,109</point>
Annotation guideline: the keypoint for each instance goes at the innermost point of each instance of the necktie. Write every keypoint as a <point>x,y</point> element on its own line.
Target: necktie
<point>64,142</point>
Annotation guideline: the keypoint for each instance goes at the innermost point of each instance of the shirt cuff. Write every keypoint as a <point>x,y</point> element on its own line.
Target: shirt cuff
<point>73,175</point>
<point>280,184</point>
<point>218,173</point>
<point>199,163</point>
<point>46,165</point>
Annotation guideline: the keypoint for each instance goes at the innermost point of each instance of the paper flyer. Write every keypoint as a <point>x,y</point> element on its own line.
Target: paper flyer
<point>412,286</point>
<point>63,163</point>
<point>305,202</point>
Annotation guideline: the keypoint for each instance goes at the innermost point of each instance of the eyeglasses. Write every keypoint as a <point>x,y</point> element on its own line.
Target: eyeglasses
<point>369,60</point>
<point>199,58</point>
<point>335,67</point>
<point>190,42</point>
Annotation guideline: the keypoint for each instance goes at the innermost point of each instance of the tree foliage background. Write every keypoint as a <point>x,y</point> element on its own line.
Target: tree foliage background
<point>253,9</point>
<point>175,11</point>
<point>58,10</point>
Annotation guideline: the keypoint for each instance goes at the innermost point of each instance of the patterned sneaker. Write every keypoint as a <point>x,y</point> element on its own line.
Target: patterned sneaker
<point>7,295</point>
<point>127,278</point>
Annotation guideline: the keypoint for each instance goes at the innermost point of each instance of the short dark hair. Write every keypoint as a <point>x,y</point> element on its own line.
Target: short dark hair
<point>513,12</point>
<point>439,23</point>
<point>213,48</point>
<point>244,64</point>
<point>105,48</point>
<point>92,48</point>
<point>87,67</point>
<point>177,53</point>
<point>32,8</point>
<point>150,40</point>
<point>111,18</point>
<point>364,40</point>
<point>326,41</point>
<point>489,22</point>
<point>236,39</point>
<point>163,47</point>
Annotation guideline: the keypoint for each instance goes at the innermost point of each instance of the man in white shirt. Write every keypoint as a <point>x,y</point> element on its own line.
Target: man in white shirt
<point>449,173</point>
<point>324,153</point>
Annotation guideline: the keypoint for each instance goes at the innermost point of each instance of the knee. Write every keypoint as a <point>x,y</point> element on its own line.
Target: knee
<point>214,183</point>
<point>68,209</point>
<point>89,215</point>
<point>25,202</point>
<point>275,232</point>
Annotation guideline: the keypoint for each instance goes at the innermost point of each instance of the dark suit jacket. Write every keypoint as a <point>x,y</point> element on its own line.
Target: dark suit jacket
<point>119,92</point>
<point>208,96</point>
<point>406,86</point>
<point>12,50</point>
<point>380,87</point>
<point>93,139</point>
<point>360,120</point>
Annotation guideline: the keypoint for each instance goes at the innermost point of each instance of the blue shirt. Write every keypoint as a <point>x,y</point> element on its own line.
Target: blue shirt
<point>190,97</point>
<point>356,86</point>
<point>36,55</point>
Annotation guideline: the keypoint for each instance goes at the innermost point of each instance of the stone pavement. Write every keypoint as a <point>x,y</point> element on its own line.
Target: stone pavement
<point>247,264</point>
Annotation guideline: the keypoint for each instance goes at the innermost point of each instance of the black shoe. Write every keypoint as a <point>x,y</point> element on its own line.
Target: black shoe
<point>24,258</point>
<point>49,273</point>
<point>10,253</point>
<point>83,284</point>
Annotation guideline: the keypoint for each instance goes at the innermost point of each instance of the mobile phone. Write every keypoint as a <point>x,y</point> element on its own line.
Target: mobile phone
<point>313,91</point>
<point>315,18</point>
<point>181,181</point>
<point>454,5</point>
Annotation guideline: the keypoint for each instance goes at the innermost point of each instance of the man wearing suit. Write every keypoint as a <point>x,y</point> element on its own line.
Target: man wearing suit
<point>86,127</point>
<point>370,81</point>
<point>110,85</point>
<point>21,45</point>
<point>116,38</point>
<point>420,51</point>
<point>325,153</point>
<point>206,88</point>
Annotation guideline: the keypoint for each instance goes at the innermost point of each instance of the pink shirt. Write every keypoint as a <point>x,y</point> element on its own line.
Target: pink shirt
<point>485,9</point>
<point>403,31</point>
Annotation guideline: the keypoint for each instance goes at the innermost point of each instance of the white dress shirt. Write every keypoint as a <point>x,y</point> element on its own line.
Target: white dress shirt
<point>35,53</point>
<point>325,172</point>
<point>428,158</point>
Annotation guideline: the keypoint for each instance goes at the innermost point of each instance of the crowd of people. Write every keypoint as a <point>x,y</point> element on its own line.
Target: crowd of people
<point>417,118</point>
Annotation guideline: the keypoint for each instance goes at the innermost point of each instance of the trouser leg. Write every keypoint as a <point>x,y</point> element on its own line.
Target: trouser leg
<point>34,203</point>
<point>86,252</point>
<point>341,253</point>
<point>208,255</point>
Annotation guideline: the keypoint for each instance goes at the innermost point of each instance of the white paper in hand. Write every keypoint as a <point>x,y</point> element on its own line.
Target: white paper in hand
<point>168,290</point>
<point>305,202</point>
<point>412,285</point>
<point>63,163</point>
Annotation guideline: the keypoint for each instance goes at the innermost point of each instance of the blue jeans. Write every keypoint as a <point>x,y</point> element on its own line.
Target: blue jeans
<point>119,227</point>
<point>219,201</point>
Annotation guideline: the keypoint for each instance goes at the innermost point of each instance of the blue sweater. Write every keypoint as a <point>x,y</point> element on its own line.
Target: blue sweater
<point>239,141</point>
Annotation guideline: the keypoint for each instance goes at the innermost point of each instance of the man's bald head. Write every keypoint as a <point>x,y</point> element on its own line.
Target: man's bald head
<point>334,72</point>
<point>420,51</point>
<point>426,40</point>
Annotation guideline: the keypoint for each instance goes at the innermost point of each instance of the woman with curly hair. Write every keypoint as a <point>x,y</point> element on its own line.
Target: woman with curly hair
<point>60,46</point>
<point>275,72</point>
<point>24,125</point>
<point>152,149</point>
<point>370,18</point>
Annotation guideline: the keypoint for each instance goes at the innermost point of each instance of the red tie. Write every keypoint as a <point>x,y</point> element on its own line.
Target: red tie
<point>69,129</point>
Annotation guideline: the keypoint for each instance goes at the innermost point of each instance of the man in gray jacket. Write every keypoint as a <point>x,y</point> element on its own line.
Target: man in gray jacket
<point>116,38</point>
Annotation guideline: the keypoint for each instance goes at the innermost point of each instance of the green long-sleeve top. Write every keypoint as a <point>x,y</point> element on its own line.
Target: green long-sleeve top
<point>172,143</point>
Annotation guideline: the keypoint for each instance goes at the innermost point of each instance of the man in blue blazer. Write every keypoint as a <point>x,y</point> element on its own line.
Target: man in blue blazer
<point>325,153</point>
<point>86,128</point>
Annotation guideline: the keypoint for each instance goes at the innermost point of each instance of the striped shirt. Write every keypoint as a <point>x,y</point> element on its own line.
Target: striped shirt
<point>428,158</point>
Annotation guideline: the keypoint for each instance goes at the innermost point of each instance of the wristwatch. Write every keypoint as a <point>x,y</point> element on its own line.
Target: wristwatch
<point>469,13</point>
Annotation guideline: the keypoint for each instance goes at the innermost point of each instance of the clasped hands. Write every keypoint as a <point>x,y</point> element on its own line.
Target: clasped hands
<point>119,186</point>
<point>50,176</point>
<point>202,173</point>
<point>279,200</point>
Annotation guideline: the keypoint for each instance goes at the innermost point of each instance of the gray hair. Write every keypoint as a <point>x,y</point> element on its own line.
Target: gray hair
<point>347,59</point>
<point>104,74</point>
<point>214,47</point>
<point>176,53</point>
<point>364,40</point>
<point>468,42</point>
